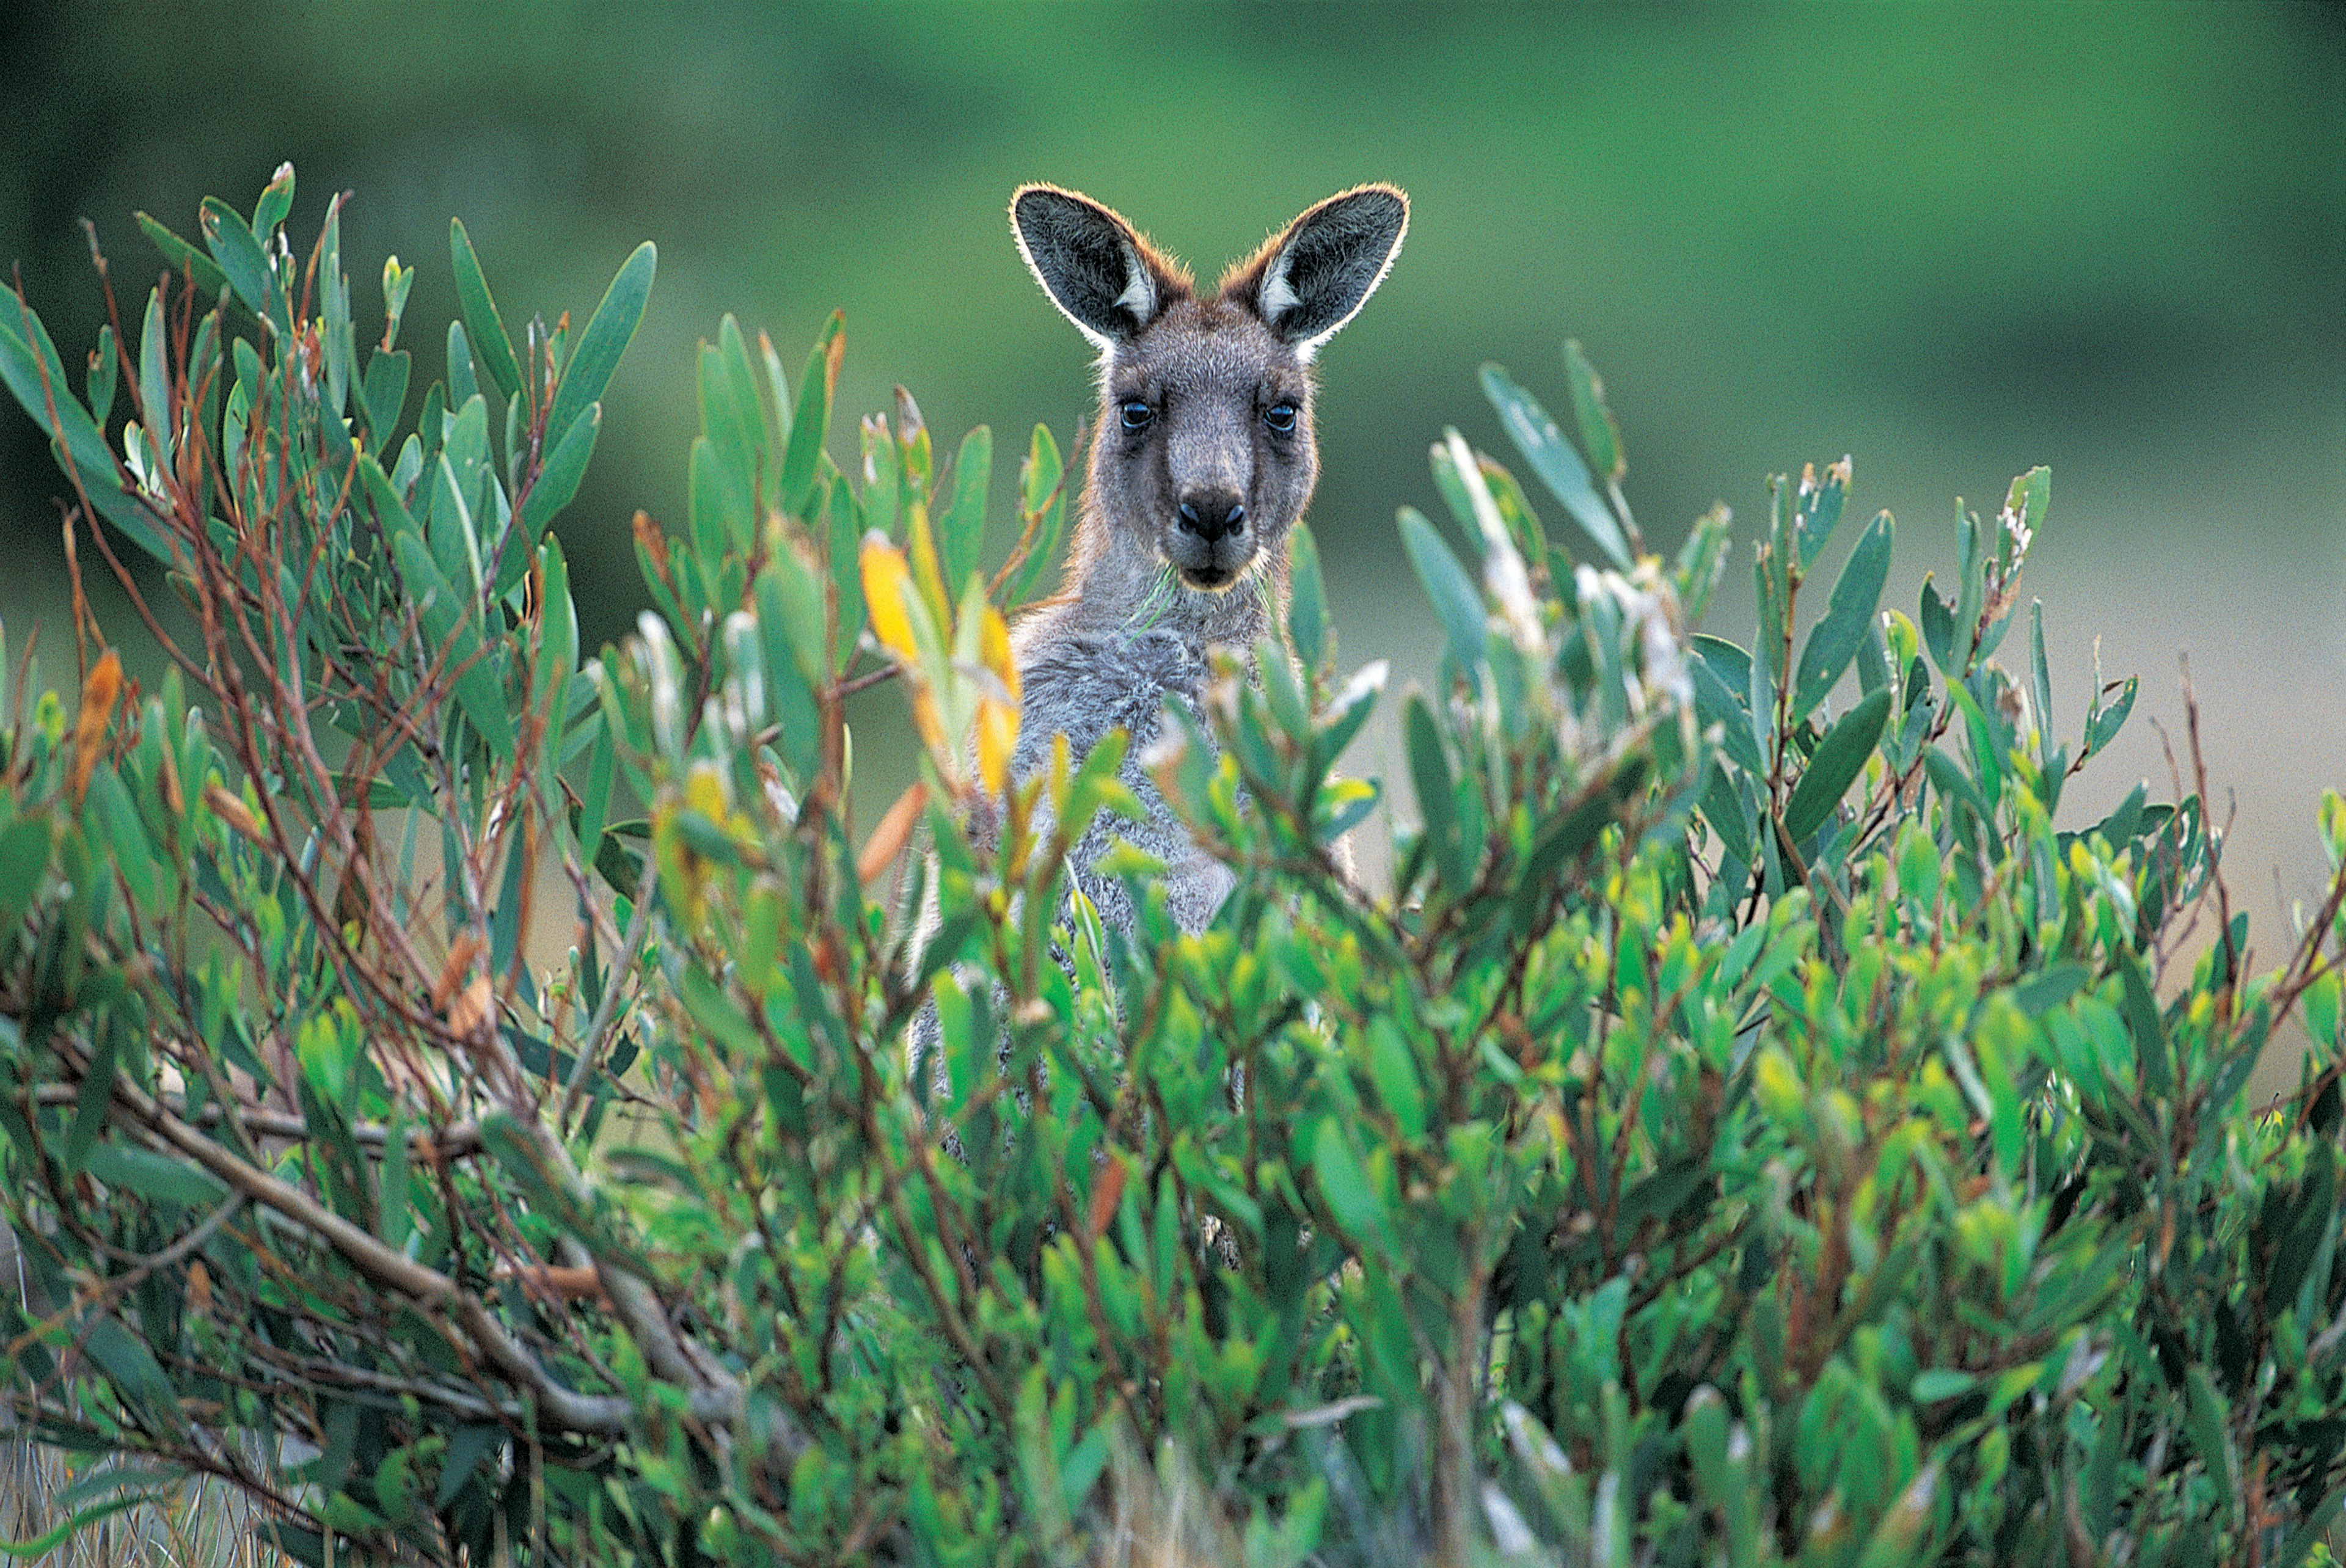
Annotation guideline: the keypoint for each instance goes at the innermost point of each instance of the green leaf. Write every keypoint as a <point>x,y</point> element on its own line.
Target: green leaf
<point>334,315</point>
<point>1938,629</point>
<point>1306,602</point>
<point>608,334</point>
<point>761,458</point>
<point>200,270</point>
<point>465,1451</point>
<point>1599,436</point>
<point>91,1099</point>
<point>1839,759</point>
<point>154,375</point>
<point>1717,702</point>
<point>812,423</point>
<point>960,529</point>
<point>25,365</point>
<point>1348,710</point>
<point>384,395</point>
<point>2144,1022</point>
<point>479,692</point>
<point>1043,500</point>
<point>2040,993</point>
<point>1817,507</point>
<point>104,363</point>
<point>114,1477</point>
<point>1394,1071</point>
<point>617,865</point>
<point>556,484</point>
<point>2208,1419</point>
<point>719,500</point>
<point>131,1368</point>
<point>1447,585</point>
<point>25,846</point>
<point>731,419</point>
<point>1437,804</point>
<point>2312,1530</point>
<point>1939,1383</point>
<point>1559,467</point>
<point>2042,679</point>
<point>464,381</point>
<point>153,1176</point>
<point>1344,1188</point>
<point>1897,1539</point>
<point>1836,639</point>
<point>480,319</point>
<point>1723,808</point>
<point>276,200</point>
<point>242,262</point>
<point>2102,725</point>
<point>397,282</point>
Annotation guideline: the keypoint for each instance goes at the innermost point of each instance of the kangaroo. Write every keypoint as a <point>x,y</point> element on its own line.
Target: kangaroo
<point>1204,459</point>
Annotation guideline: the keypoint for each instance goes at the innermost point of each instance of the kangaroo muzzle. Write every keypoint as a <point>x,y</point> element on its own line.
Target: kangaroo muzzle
<point>1211,544</point>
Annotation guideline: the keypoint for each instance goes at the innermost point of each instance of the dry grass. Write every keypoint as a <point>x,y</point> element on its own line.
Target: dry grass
<point>206,1524</point>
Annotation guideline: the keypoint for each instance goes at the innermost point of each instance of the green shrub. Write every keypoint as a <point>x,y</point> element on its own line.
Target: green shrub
<point>1748,1131</point>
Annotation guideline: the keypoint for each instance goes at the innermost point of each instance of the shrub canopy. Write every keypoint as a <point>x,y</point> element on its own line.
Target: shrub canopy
<point>1747,1131</point>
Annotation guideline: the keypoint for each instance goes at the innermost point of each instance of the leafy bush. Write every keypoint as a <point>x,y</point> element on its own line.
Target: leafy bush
<point>1747,1132</point>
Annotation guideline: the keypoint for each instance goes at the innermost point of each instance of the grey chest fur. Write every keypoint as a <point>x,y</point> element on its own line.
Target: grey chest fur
<point>1083,684</point>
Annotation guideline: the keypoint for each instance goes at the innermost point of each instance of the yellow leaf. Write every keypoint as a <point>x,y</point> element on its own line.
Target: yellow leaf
<point>705,791</point>
<point>997,738</point>
<point>994,647</point>
<point>926,574</point>
<point>932,732</point>
<point>886,582</point>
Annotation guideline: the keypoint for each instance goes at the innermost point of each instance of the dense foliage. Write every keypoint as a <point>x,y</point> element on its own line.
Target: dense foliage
<point>1748,1131</point>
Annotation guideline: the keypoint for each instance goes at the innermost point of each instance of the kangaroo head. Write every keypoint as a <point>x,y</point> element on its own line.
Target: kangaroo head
<point>1205,456</point>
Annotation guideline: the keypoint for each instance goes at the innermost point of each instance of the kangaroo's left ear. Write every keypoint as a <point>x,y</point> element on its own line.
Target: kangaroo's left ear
<point>1311,279</point>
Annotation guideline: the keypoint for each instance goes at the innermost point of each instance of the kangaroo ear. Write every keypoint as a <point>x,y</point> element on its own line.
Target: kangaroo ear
<point>1096,269</point>
<point>1312,278</point>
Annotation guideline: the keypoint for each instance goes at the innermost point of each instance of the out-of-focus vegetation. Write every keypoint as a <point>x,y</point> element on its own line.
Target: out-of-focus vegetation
<point>1961,240</point>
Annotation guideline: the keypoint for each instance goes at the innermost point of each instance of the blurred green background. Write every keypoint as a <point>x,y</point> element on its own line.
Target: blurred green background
<point>1955,242</point>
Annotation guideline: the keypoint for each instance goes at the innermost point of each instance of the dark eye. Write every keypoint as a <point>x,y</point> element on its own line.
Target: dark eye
<point>1137,413</point>
<point>1280,417</point>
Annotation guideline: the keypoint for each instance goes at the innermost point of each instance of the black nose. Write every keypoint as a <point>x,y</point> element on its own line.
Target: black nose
<point>1212,516</point>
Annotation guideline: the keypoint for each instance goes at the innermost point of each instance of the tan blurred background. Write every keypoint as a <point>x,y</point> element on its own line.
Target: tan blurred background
<point>1955,242</point>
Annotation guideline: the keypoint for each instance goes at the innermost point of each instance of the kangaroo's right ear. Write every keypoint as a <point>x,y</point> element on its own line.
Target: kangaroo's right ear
<point>1096,269</point>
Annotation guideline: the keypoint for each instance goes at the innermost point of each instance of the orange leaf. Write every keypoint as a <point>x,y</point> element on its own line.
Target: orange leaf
<point>229,808</point>
<point>98,693</point>
<point>461,953</point>
<point>472,1007</point>
<point>1107,1193</point>
<point>832,355</point>
<point>894,831</point>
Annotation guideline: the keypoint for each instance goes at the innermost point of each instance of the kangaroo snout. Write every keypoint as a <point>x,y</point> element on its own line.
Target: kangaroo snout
<point>1212,516</point>
<point>1210,545</point>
